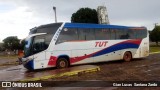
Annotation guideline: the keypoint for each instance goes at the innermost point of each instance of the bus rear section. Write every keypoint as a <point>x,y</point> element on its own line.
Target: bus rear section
<point>74,43</point>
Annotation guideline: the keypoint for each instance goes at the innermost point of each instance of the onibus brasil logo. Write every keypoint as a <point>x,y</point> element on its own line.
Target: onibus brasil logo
<point>20,84</point>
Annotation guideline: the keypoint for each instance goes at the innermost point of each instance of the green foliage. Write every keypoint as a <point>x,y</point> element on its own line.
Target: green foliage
<point>11,43</point>
<point>154,49</point>
<point>1,47</point>
<point>155,34</point>
<point>85,15</point>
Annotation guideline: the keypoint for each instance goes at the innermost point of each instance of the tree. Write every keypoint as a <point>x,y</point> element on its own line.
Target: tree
<point>1,47</point>
<point>155,34</point>
<point>85,15</point>
<point>11,43</point>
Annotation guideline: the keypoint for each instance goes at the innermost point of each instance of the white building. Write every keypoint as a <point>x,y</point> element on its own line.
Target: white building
<point>102,15</point>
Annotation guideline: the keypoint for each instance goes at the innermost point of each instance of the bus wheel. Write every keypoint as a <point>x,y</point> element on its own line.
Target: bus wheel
<point>127,56</point>
<point>62,63</point>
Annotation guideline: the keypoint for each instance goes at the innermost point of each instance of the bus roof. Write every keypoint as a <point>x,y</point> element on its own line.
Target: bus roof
<point>86,25</point>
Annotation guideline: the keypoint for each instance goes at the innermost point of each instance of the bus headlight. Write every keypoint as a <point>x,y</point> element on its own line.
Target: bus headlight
<point>24,60</point>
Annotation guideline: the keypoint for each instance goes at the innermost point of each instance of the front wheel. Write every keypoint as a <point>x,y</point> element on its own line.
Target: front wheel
<point>127,56</point>
<point>62,63</point>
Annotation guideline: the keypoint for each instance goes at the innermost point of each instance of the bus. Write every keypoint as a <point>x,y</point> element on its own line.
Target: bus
<point>63,44</point>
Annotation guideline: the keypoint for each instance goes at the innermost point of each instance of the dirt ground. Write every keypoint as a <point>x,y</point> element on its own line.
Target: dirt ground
<point>8,61</point>
<point>147,69</point>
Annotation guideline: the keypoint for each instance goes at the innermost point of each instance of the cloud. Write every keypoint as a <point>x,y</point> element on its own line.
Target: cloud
<point>14,22</point>
<point>141,11</point>
<point>18,21</point>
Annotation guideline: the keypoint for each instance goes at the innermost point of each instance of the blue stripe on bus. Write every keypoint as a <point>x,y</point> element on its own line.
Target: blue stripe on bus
<point>115,48</point>
<point>82,25</point>
<point>29,65</point>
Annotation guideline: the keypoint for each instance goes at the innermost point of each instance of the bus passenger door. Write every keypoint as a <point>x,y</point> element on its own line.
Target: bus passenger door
<point>38,49</point>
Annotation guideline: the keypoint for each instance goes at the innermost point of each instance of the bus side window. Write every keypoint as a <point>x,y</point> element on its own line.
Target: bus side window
<point>86,34</point>
<point>132,34</point>
<point>113,34</point>
<point>141,34</point>
<point>102,34</point>
<point>122,34</point>
<point>144,33</point>
<point>68,34</point>
<point>107,33</point>
<point>81,34</point>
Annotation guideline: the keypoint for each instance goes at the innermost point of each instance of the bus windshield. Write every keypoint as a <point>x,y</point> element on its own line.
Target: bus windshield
<point>27,47</point>
<point>40,43</point>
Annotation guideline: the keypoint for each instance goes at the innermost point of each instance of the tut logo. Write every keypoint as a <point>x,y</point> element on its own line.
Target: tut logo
<point>101,44</point>
<point>6,84</point>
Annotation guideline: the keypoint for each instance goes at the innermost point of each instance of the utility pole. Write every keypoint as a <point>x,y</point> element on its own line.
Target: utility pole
<point>54,8</point>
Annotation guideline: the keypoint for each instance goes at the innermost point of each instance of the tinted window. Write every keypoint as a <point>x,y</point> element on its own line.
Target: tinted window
<point>132,34</point>
<point>122,34</point>
<point>68,34</point>
<point>102,34</point>
<point>81,34</point>
<point>40,43</point>
<point>49,29</point>
<point>90,34</point>
<point>107,33</point>
<point>141,34</point>
<point>137,34</point>
<point>113,34</point>
<point>144,33</point>
<point>86,34</point>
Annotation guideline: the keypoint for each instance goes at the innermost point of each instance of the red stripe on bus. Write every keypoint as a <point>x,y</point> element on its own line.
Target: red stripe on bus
<point>53,59</point>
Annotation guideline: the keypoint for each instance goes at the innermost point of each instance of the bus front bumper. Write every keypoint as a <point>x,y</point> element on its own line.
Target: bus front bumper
<point>28,63</point>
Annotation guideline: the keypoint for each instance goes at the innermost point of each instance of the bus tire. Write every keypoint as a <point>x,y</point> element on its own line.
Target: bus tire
<point>127,56</point>
<point>62,63</point>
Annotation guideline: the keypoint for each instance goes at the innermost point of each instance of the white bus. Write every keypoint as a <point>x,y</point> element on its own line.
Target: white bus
<point>63,44</point>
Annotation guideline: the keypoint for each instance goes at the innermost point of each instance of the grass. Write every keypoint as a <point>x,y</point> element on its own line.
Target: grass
<point>9,57</point>
<point>154,48</point>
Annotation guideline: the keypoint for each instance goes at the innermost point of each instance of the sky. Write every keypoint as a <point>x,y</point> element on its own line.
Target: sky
<point>17,17</point>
